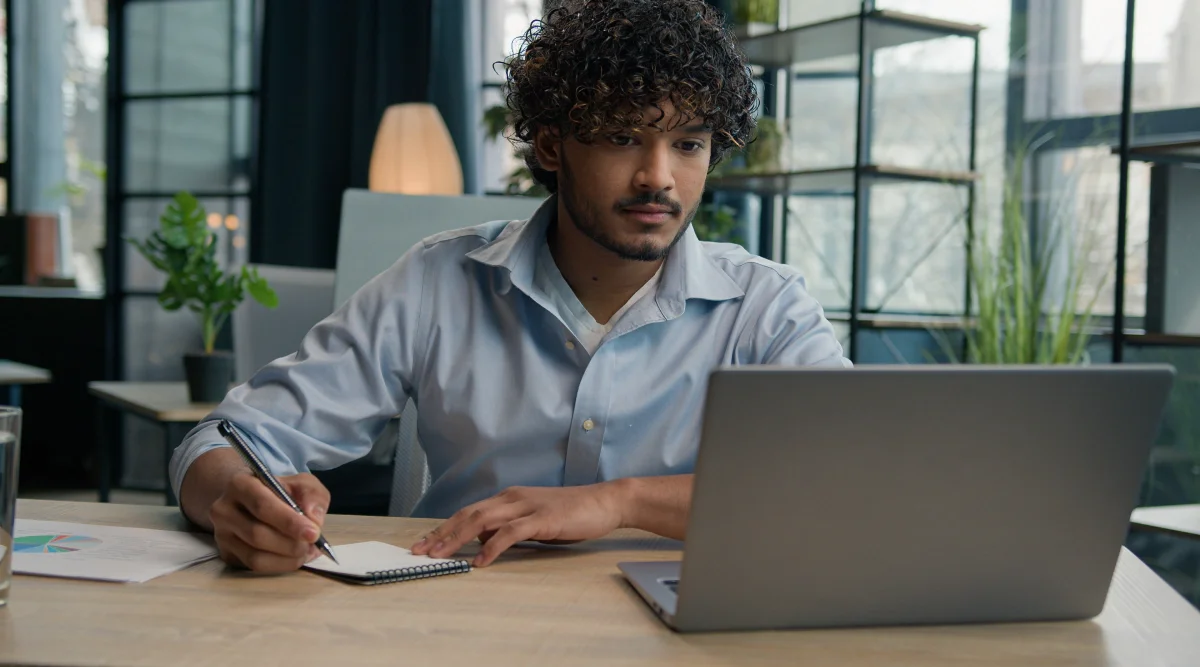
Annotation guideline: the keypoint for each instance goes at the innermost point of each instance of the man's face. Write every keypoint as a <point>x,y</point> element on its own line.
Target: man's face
<point>633,193</point>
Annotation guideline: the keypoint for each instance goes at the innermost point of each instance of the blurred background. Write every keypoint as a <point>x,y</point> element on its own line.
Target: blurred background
<point>902,144</point>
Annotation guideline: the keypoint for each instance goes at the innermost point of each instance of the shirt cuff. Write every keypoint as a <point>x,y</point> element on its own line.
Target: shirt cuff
<point>199,441</point>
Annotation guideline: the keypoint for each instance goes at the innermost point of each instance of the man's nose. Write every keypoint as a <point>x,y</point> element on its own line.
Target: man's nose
<point>654,172</point>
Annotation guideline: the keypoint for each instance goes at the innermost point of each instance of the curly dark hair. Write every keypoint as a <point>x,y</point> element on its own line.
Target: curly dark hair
<point>593,67</point>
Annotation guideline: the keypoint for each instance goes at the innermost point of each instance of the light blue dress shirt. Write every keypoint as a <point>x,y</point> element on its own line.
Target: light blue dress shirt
<point>463,325</point>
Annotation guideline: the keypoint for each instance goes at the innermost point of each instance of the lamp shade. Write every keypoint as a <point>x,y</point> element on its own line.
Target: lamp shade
<point>414,153</point>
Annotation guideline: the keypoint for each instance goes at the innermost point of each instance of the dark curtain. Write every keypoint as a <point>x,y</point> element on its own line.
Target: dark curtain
<point>330,68</point>
<point>456,81</point>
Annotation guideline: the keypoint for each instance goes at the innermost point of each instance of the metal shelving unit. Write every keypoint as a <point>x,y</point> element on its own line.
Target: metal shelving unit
<point>835,181</point>
<point>841,36</point>
<point>860,35</point>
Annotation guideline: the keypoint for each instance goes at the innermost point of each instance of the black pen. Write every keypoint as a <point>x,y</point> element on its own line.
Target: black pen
<point>260,471</point>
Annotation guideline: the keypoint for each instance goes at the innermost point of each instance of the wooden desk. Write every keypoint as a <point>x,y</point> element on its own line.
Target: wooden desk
<point>1180,520</point>
<point>164,403</point>
<point>565,606</point>
<point>13,375</point>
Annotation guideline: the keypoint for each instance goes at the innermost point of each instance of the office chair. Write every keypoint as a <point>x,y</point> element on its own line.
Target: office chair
<point>376,229</point>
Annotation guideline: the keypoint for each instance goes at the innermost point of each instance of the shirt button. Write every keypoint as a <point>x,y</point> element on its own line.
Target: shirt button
<point>588,424</point>
<point>570,345</point>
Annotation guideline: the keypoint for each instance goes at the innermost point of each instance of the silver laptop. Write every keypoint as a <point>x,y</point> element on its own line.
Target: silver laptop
<point>908,495</point>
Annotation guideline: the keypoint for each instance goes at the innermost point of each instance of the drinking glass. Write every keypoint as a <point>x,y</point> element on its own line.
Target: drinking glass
<point>10,447</point>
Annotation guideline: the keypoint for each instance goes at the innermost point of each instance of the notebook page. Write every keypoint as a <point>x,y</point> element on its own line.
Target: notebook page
<point>358,559</point>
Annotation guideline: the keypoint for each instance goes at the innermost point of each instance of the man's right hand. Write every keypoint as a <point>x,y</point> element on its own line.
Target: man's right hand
<point>257,530</point>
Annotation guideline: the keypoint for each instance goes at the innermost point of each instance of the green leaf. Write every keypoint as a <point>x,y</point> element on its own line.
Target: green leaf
<point>261,291</point>
<point>96,169</point>
<point>184,213</point>
<point>185,250</point>
<point>150,251</point>
<point>495,121</point>
<point>169,300</point>
<point>1023,312</point>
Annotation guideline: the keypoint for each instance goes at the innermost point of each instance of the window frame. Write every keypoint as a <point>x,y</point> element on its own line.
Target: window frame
<point>117,292</point>
<point>6,170</point>
<point>485,85</point>
<point>1079,132</point>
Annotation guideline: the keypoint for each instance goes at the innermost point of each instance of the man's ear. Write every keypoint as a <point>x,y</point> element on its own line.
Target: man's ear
<point>547,148</point>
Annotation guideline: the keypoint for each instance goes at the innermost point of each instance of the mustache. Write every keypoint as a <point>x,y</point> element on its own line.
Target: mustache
<point>659,198</point>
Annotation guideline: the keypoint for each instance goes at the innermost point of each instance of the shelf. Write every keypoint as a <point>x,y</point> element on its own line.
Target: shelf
<point>836,181</point>
<point>1162,339</point>
<point>885,321</point>
<point>1179,151</point>
<point>839,37</point>
<point>874,320</point>
<point>42,292</point>
<point>922,322</point>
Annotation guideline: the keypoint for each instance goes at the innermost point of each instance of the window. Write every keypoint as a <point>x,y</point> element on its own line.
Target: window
<point>921,118</point>
<point>1076,51</point>
<point>185,118</point>
<point>503,22</point>
<point>1071,99</point>
<point>1057,88</point>
<point>1078,189</point>
<point>52,174</point>
<point>6,116</point>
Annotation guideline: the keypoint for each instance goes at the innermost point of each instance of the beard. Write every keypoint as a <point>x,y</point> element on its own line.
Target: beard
<point>588,219</point>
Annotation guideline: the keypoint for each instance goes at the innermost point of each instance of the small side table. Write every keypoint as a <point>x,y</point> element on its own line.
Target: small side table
<point>1179,520</point>
<point>164,403</point>
<point>13,375</point>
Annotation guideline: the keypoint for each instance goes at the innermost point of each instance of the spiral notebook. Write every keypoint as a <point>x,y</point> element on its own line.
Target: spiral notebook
<point>378,563</point>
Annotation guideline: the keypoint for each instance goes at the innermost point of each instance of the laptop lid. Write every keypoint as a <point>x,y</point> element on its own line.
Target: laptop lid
<point>913,494</point>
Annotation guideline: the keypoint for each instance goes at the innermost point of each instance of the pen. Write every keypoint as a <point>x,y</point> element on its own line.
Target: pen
<point>260,471</point>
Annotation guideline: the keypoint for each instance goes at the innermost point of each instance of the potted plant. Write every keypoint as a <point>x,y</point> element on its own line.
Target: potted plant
<point>717,222</point>
<point>755,17</point>
<point>185,250</point>
<point>1024,311</point>
<point>765,151</point>
<point>763,154</point>
<point>496,122</point>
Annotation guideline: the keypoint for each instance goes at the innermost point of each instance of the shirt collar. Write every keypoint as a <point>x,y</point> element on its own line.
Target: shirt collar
<point>515,249</point>
<point>688,273</point>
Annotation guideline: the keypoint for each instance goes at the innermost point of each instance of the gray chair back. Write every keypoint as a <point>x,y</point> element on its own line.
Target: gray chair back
<point>376,229</point>
<point>262,335</point>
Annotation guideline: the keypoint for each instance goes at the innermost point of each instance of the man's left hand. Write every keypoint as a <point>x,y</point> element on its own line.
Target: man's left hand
<point>544,514</point>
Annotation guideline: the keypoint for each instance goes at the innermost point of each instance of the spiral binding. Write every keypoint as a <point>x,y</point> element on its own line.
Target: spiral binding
<point>419,572</point>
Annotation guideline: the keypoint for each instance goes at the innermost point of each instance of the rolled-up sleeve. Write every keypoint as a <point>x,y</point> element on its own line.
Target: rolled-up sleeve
<point>792,330</point>
<point>326,404</point>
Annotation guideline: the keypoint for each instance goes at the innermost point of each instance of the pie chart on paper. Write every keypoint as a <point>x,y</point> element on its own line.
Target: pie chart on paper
<point>54,544</point>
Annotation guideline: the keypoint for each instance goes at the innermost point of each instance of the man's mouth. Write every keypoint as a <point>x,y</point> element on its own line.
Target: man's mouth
<point>649,213</point>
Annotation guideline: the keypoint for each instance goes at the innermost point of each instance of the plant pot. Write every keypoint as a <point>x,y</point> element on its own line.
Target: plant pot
<point>208,375</point>
<point>41,246</point>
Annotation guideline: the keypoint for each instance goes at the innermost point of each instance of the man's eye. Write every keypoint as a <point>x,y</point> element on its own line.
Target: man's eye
<point>692,146</point>
<point>621,140</point>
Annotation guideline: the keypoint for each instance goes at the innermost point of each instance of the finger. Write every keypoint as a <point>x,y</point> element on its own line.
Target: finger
<point>474,523</point>
<point>268,508</point>
<point>310,494</point>
<point>449,530</point>
<point>260,561</point>
<point>263,537</point>
<point>225,551</point>
<point>524,528</point>
<point>448,527</point>
<point>223,514</point>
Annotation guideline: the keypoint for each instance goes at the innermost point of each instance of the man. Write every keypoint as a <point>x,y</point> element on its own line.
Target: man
<point>559,363</point>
